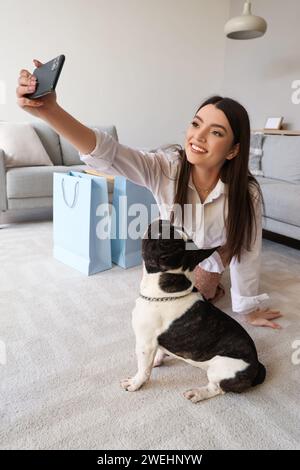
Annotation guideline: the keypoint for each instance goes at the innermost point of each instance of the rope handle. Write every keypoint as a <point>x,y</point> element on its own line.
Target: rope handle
<point>75,198</point>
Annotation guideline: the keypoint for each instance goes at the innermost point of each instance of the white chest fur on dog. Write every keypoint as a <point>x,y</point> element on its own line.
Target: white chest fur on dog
<point>149,318</point>
<point>165,312</point>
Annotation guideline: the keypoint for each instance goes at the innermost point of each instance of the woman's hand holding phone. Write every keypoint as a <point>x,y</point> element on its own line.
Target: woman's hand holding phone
<point>27,84</point>
<point>46,108</point>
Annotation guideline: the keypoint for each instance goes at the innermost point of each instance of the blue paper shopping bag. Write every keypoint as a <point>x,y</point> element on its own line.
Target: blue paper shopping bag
<point>126,243</point>
<point>80,215</point>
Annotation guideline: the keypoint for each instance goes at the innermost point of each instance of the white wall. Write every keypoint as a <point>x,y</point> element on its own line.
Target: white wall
<point>143,65</point>
<point>260,72</point>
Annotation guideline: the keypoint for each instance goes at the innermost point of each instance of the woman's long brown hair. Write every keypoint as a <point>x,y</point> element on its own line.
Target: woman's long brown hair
<point>236,174</point>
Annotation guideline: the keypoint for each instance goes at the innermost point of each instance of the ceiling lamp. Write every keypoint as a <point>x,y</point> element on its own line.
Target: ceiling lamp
<point>246,26</point>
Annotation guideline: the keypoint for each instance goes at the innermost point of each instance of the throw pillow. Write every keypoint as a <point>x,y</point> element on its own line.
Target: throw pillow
<point>22,146</point>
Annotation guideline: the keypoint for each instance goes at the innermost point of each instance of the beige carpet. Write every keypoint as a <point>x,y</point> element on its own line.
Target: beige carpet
<point>69,341</point>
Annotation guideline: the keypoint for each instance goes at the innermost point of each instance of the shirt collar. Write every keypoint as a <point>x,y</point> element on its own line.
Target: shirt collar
<point>220,188</point>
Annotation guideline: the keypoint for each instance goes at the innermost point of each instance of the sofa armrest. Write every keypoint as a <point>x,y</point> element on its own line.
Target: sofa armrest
<point>3,195</point>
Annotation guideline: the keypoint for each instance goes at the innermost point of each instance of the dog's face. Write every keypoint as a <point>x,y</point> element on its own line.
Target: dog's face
<point>165,247</point>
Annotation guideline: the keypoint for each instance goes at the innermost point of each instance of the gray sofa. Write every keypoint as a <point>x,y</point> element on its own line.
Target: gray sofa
<point>32,187</point>
<point>280,184</point>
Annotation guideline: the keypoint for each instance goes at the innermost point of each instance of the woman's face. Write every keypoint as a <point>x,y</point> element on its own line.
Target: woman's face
<point>212,135</point>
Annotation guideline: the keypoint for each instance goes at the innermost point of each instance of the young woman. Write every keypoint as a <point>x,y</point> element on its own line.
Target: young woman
<point>210,176</point>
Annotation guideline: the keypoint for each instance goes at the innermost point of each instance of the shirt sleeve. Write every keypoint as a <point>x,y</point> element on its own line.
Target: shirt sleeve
<point>213,263</point>
<point>245,275</point>
<point>145,168</point>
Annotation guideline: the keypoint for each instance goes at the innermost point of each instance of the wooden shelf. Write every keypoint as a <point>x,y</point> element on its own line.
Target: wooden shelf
<point>276,132</point>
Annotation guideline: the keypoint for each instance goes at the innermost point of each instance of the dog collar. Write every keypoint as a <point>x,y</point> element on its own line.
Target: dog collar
<point>163,299</point>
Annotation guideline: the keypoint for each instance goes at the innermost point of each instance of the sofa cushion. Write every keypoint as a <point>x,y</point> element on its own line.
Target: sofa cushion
<point>281,157</point>
<point>50,141</point>
<point>38,181</point>
<point>34,181</point>
<point>70,154</point>
<point>22,145</point>
<point>281,200</point>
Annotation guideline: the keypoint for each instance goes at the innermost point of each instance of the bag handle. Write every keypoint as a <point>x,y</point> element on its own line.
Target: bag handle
<point>75,199</point>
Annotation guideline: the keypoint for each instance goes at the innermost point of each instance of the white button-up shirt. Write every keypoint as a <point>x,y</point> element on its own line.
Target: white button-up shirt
<point>159,171</point>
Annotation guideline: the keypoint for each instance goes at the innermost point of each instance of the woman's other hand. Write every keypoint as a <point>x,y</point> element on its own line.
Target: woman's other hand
<point>263,317</point>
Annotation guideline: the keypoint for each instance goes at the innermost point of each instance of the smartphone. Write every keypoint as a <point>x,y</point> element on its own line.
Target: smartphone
<point>47,77</point>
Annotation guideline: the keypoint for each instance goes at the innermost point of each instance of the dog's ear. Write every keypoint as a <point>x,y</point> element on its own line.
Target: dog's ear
<point>194,256</point>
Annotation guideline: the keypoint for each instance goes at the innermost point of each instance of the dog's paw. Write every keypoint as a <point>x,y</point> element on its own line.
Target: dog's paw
<point>130,384</point>
<point>203,393</point>
<point>195,395</point>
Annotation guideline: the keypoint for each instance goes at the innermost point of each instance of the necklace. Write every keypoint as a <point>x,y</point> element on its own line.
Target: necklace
<point>205,190</point>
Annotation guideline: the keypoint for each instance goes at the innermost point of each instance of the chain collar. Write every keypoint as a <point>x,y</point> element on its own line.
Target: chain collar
<point>163,299</point>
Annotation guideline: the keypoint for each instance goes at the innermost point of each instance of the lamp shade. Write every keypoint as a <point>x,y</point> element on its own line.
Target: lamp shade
<point>247,26</point>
